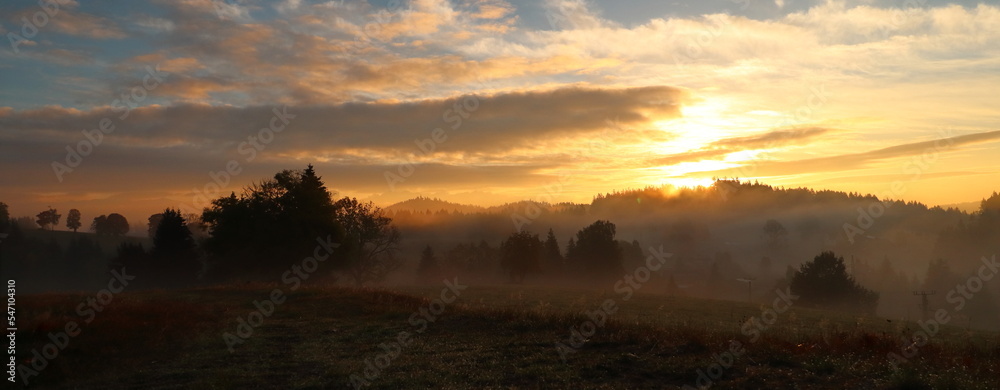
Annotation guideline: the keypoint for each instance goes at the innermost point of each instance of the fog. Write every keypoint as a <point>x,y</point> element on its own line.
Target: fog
<point>717,235</point>
<point>718,238</point>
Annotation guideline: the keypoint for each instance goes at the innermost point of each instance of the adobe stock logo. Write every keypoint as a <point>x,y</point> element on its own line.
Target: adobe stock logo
<point>30,27</point>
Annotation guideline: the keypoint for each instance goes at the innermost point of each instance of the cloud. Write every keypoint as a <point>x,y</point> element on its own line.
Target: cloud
<point>161,155</point>
<point>341,54</point>
<point>366,82</point>
<point>723,147</point>
<point>882,179</point>
<point>771,139</point>
<point>153,25</point>
<point>87,25</point>
<point>691,156</point>
<point>573,15</point>
<point>67,19</point>
<point>473,123</point>
<point>847,162</point>
<point>493,10</point>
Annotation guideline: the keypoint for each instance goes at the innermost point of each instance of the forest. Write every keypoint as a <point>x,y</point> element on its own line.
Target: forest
<point>734,240</point>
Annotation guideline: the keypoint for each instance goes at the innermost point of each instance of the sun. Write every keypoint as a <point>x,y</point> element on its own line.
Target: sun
<point>700,124</point>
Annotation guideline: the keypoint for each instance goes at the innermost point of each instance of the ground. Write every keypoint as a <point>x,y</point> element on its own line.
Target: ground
<point>486,337</point>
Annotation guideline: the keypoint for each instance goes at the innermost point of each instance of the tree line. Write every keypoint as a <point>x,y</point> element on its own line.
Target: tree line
<point>270,225</point>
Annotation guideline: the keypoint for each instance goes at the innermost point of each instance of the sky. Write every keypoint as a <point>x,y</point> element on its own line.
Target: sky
<point>132,107</point>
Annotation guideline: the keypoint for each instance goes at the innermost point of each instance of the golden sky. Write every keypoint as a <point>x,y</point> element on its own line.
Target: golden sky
<point>490,101</point>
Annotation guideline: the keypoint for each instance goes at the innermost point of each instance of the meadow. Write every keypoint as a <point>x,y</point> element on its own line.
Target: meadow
<point>487,337</point>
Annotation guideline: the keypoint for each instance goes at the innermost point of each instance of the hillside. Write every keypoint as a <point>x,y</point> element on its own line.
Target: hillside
<point>489,337</point>
<point>889,243</point>
<point>106,243</point>
<point>968,207</point>
<point>422,204</point>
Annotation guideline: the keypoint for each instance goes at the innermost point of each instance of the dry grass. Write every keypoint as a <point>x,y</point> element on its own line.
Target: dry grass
<point>492,337</point>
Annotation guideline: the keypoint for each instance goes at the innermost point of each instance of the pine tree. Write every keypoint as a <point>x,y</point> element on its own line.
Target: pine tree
<point>825,282</point>
<point>174,255</point>
<point>553,258</point>
<point>429,266</point>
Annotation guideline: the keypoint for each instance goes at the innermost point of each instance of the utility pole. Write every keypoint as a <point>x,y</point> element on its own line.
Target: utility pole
<point>749,282</point>
<point>924,304</point>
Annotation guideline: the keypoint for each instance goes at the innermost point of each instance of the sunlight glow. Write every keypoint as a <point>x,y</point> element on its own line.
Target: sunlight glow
<point>696,166</point>
<point>688,182</point>
<point>701,124</point>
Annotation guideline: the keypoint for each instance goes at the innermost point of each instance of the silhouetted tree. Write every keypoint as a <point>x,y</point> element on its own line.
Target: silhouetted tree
<point>459,258</point>
<point>553,258</point>
<point>5,227</point>
<point>6,231</point>
<point>197,227</point>
<point>370,241</point>
<point>939,276</point>
<point>429,266</point>
<point>966,242</point>
<point>174,257</point>
<point>25,223</point>
<point>73,220</point>
<point>991,204</point>
<point>154,223</point>
<point>4,216</point>
<point>596,252</point>
<point>113,224</point>
<point>100,225</point>
<point>117,225</point>
<point>485,258</point>
<point>775,235</point>
<point>824,282</point>
<point>131,257</point>
<point>520,255</point>
<point>48,218</point>
<point>631,253</point>
<point>270,225</point>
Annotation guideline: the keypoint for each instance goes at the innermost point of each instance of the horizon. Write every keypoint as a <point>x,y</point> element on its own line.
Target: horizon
<point>139,230</point>
<point>137,225</point>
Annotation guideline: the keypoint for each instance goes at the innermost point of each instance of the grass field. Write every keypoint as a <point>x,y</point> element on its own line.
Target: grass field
<point>488,337</point>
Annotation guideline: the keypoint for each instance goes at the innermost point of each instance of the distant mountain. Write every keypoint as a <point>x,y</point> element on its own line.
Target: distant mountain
<point>969,207</point>
<point>530,206</point>
<point>433,204</point>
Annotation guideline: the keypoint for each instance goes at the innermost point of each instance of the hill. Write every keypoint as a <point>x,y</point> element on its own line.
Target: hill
<point>968,207</point>
<point>422,204</point>
<point>108,244</point>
